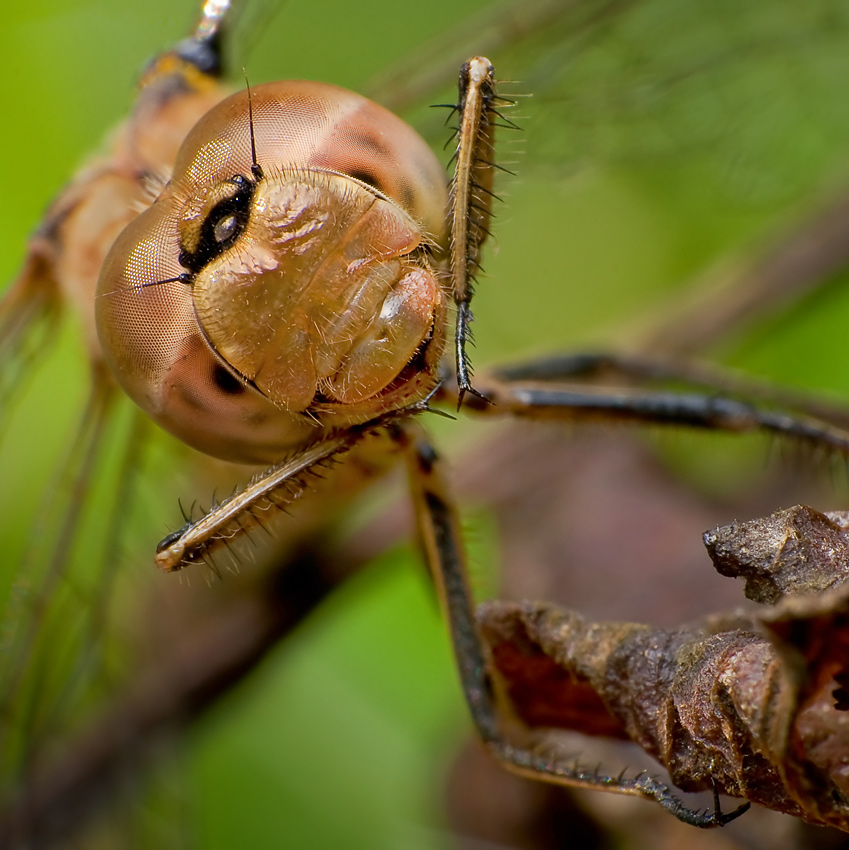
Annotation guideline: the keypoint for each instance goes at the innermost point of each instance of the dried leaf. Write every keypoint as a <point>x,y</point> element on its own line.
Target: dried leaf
<point>753,703</point>
<point>798,550</point>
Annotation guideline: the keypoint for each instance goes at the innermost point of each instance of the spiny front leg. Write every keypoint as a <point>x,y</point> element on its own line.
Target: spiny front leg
<point>268,493</point>
<point>471,197</point>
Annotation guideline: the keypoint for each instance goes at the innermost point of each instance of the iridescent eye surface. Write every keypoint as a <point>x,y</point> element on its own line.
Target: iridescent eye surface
<point>254,302</point>
<point>225,228</point>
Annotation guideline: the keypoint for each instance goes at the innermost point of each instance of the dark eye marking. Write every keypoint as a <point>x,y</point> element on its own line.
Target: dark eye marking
<point>367,145</point>
<point>223,225</point>
<point>368,178</point>
<point>408,197</point>
<point>225,381</point>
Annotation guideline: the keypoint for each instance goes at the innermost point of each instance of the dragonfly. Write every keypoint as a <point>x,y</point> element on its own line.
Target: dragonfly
<point>606,184</point>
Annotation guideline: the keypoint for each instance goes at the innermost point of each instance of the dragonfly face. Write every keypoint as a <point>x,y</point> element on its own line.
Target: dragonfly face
<point>349,260</point>
<point>612,223</point>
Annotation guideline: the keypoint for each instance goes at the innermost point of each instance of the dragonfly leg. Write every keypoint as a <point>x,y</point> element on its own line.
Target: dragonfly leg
<point>584,388</point>
<point>439,531</point>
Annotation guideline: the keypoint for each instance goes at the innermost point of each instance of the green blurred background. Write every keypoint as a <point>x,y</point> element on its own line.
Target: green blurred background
<point>675,140</point>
